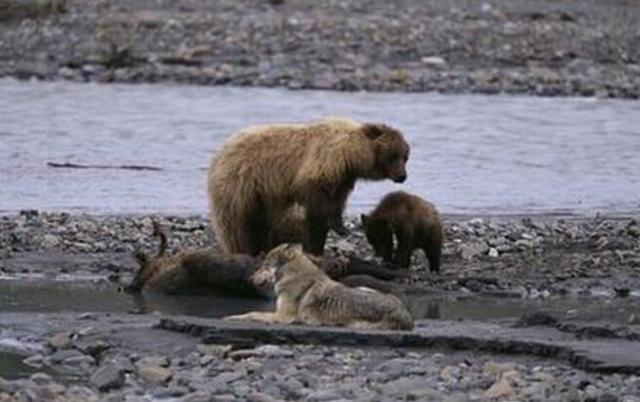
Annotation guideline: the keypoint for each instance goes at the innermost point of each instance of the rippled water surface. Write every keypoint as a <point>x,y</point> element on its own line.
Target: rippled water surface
<point>470,154</point>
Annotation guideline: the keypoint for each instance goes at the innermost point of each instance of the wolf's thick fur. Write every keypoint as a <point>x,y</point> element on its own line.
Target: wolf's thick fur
<point>306,295</point>
<point>414,222</point>
<point>263,171</point>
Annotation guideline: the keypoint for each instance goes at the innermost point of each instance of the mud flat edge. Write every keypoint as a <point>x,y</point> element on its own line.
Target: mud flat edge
<point>597,355</point>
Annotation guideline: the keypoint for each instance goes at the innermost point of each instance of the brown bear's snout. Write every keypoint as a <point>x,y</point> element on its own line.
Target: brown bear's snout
<point>400,178</point>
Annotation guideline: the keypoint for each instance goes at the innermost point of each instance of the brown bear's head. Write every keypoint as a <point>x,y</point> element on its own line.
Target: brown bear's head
<point>391,152</point>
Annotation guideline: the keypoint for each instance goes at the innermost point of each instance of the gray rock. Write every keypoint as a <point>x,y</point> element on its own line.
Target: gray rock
<point>80,393</point>
<point>224,398</point>
<point>198,396</point>
<point>41,378</point>
<point>400,388</point>
<point>113,397</point>
<point>168,392</point>
<point>7,386</point>
<point>154,374</point>
<point>62,356</point>
<point>49,241</point>
<point>161,361</point>
<point>261,351</point>
<point>219,351</point>
<point>82,360</point>
<point>434,61</point>
<point>424,394</point>
<point>34,360</point>
<point>124,363</point>
<point>324,395</point>
<point>469,251</point>
<point>225,378</point>
<point>608,397</point>
<point>107,377</point>
<point>397,367</point>
<point>60,340</point>
<point>95,348</point>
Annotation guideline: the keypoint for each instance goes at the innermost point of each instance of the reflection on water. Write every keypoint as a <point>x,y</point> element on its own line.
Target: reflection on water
<point>56,296</point>
<point>470,154</point>
<point>12,367</point>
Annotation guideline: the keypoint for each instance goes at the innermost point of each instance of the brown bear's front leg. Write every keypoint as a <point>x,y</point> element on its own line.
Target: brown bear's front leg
<point>324,212</point>
<point>316,234</point>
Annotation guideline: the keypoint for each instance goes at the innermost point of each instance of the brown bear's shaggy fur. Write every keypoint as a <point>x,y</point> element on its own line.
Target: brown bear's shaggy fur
<point>264,171</point>
<point>415,224</point>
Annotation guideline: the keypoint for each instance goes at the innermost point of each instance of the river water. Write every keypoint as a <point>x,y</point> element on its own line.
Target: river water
<point>471,154</point>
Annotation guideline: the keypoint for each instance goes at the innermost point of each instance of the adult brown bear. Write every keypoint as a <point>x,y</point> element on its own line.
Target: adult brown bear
<point>264,171</point>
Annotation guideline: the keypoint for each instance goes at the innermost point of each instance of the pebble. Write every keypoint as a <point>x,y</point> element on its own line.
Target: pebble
<point>154,374</point>
<point>61,340</point>
<point>108,377</point>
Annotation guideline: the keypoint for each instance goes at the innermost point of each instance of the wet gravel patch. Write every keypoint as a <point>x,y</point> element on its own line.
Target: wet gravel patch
<point>120,358</point>
<point>569,47</point>
<point>533,257</point>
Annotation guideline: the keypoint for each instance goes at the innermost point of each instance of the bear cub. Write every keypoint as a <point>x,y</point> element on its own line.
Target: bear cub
<point>413,221</point>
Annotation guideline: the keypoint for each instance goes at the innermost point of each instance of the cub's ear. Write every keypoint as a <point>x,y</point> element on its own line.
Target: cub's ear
<point>141,258</point>
<point>364,218</point>
<point>373,131</point>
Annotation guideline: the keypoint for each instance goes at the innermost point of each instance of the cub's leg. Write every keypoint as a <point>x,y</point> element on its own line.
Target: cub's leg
<point>404,250</point>
<point>433,249</point>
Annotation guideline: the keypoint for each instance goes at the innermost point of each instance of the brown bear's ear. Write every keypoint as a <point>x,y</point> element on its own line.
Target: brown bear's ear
<point>364,219</point>
<point>373,131</point>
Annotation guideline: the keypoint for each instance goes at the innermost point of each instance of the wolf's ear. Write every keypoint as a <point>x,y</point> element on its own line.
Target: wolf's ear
<point>296,248</point>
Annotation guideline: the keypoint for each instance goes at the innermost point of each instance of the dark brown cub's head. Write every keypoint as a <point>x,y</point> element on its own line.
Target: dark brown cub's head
<point>391,152</point>
<point>379,234</point>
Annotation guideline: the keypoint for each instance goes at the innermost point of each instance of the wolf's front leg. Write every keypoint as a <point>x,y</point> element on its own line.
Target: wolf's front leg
<point>268,317</point>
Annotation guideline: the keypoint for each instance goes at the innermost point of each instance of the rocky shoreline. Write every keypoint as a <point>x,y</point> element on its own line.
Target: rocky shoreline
<point>123,358</point>
<point>523,257</point>
<point>548,48</point>
<point>97,356</point>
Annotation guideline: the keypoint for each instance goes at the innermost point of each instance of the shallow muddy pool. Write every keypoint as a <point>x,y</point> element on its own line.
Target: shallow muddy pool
<point>75,296</point>
<point>470,154</point>
<point>12,366</point>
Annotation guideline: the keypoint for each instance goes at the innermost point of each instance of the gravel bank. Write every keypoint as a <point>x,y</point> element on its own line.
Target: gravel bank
<point>120,358</point>
<point>568,47</point>
<point>528,257</point>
